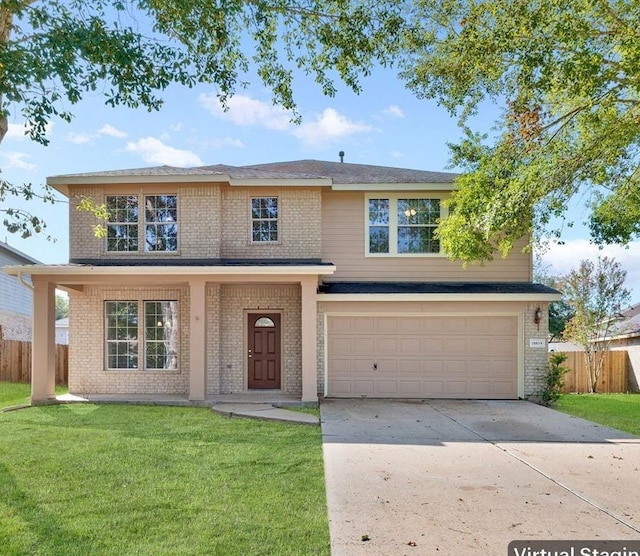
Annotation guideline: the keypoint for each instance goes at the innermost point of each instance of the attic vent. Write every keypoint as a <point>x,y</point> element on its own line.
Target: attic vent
<point>341,155</point>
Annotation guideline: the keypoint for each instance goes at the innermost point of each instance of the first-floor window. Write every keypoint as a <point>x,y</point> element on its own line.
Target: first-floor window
<point>157,333</point>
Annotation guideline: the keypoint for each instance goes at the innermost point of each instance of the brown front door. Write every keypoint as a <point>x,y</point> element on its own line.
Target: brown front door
<point>264,350</point>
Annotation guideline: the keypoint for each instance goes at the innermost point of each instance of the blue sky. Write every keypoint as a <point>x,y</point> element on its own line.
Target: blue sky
<point>384,125</point>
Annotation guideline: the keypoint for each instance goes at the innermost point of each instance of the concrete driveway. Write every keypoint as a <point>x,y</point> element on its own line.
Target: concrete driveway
<point>467,477</point>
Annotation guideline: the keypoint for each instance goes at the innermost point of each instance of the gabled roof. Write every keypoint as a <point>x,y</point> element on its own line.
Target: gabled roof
<point>297,172</point>
<point>19,255</point>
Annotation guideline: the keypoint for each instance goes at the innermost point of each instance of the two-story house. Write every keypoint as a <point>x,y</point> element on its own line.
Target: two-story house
<point>308,278</point>
<point>16,299</point>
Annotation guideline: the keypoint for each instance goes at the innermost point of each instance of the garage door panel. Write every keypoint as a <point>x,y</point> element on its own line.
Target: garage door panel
<point>422,357</point>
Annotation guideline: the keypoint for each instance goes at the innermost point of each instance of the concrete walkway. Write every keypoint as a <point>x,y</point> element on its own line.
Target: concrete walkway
<point>467,477</point>
<point>230,406</point>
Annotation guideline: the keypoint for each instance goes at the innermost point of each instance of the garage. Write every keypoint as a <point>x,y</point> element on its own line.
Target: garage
<point>435,356</point>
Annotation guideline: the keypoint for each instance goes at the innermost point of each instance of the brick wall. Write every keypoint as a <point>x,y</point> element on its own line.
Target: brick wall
<point>536,360</point>
<point>235,301</point>
<point>87,372</point>
<point>299,226</point>
<point>212,223</point>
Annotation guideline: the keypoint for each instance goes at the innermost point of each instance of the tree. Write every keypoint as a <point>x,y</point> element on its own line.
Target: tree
<point>560,312</point>
<point>62,306</point>
<point>596,293</point>
<point>568,76</point>
<point>52,52</point>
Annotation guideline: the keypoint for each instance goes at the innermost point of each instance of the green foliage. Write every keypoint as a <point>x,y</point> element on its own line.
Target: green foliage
<point>568,75</point>
<point>62,306</point>
<point>554,379</point>
<point>158,480</point>
<point>596,293</point>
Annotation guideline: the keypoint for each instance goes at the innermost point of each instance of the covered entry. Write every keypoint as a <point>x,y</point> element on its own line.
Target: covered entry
<point>435,356</point>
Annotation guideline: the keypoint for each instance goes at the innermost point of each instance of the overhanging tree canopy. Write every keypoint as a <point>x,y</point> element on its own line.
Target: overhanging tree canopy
<point>566,71</point>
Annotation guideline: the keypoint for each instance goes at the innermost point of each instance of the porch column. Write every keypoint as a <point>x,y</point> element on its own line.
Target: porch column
<point>197,341</point>
<point>43,347</point>
<point>309,285</point>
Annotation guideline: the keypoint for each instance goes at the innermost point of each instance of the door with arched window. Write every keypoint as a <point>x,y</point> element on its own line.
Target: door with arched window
<point>263,350</point>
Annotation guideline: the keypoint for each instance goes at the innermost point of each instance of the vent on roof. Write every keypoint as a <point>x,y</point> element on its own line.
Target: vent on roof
<point>341,155</point>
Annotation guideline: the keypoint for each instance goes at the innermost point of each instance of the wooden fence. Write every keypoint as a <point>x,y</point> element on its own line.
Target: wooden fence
<point>15,362</point>
<point>614,377</point>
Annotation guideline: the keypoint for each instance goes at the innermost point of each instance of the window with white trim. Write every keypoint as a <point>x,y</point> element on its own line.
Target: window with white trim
<point>402,225</point>
<point>159,221</point>
<point>158,330</point>
<point>122,227</point>
<point>264,219</point>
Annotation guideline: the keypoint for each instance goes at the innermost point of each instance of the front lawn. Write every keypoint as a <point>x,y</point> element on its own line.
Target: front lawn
<point>117,479</point>
<point>620,411</point>
<point>15,393</point>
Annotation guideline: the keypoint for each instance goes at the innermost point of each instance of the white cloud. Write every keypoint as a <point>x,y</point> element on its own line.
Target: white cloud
<point>394,110</point>
<point>18,131</point>
<point>246,111</point>
<point>154,151</point>
<point>329,127</point>
<point>17,160</point>
<point>79,138</point>
<point>397,154</point>
<point>176,127</point>
<point>108,129</point>
<point>563,258</point>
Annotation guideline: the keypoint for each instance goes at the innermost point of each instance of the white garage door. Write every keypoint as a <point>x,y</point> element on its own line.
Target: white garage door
<point>423,357</point>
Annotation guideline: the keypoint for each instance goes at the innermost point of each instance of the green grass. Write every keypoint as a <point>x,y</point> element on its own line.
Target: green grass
<point>14,393</point>
<point>620,411</point>
<point>116,479</point>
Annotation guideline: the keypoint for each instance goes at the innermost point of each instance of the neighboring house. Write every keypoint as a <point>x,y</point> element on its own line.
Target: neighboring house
<point>62,331</point>
<point>16,299</point>
<point>625,335</point>
<point>307,278</point>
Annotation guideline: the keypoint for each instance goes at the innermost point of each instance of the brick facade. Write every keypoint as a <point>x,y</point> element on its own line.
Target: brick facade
<point>213,221</point>
<point>225,345</point>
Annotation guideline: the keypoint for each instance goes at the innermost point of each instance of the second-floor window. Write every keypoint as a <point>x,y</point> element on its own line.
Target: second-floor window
<point>402,225</point>
<point>160,224</point>
<point>122,228</point>
<point>264,219</point>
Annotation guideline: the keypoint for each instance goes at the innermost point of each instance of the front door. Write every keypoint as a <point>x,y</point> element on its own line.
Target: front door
<point>263,350</point>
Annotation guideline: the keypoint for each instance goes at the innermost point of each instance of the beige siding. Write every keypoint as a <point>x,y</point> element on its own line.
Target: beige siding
<point>298,227</point>
<point>343,243</point>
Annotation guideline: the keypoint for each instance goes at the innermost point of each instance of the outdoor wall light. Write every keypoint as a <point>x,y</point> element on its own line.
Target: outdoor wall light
<point>537,316</point>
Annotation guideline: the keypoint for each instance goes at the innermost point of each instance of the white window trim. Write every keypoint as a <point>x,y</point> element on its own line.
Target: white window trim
<point>393,221</point>
<point>142,215</point>
<point>141,340</point>
<point>142,226</point>
<point>117,223</point>
<point>278,220</point>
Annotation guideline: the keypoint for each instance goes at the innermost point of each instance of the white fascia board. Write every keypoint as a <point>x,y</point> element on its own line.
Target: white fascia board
<point>67,270</point>
<point>417,297</point>
<point>394,187</point>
